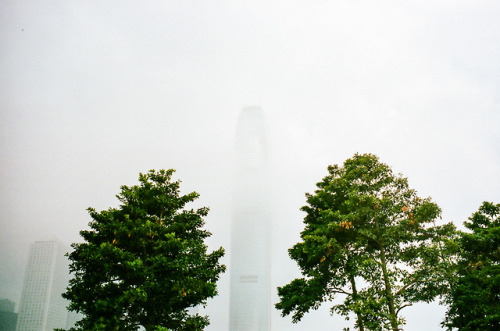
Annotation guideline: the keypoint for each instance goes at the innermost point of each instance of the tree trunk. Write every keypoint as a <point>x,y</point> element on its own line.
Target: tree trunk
<point>356,297</point>
<point>388,292</point>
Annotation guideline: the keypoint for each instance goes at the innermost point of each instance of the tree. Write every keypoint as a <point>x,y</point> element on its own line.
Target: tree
<point>144,263</point>
<point>370,239</point>
<point>475,296</point>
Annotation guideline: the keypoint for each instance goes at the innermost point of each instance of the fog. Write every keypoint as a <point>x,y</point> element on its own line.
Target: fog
<point>93,92</point>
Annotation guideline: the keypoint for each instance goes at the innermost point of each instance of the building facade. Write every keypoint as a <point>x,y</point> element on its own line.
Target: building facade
<point>42,306</point>
<point>250,300</point>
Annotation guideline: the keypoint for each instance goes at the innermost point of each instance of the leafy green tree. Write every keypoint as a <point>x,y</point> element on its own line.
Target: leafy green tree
<point>144,263</point>
<point>475,296</point>
<point>368,239</point>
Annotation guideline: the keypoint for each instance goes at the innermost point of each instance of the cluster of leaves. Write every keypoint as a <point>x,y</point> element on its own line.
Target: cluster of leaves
<point>474,299</point>
<point>144,263</point>
<point>370,239</point>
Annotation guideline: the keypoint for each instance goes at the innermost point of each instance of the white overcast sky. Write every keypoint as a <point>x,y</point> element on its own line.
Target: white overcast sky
<point>94,92</point>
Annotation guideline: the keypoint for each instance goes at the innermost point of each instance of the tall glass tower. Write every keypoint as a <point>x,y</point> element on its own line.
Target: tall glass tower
<point>42,306</point>
<point>250,298</point>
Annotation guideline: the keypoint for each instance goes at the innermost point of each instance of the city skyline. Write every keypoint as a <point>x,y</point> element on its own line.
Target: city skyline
<point>93,92</point>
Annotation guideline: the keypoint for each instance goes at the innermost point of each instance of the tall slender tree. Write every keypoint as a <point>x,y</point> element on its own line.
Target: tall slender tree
<point>144,264</point>
<point>370,239</point>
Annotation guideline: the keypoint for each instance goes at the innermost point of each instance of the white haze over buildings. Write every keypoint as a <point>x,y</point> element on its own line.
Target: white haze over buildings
<point>93,92</point>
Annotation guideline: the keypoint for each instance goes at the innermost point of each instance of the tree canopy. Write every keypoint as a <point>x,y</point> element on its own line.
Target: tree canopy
<point>144,263</point>
<point>368,239</point>
<point>475,295</point>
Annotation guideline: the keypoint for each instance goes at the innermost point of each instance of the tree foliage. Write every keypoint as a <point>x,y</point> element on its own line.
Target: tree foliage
<point>144,263</point>
<point>475,296</point>
<point>368,239</point>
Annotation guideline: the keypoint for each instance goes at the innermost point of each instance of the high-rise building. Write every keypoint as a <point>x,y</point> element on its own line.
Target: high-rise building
<point>250,299</point>
<point>42,306</point>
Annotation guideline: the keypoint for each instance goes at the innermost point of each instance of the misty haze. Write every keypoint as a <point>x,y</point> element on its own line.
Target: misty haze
<point>249,102</point>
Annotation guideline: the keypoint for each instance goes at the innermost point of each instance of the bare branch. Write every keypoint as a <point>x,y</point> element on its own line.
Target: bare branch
<point>403,306</point>
<point>339,290</point>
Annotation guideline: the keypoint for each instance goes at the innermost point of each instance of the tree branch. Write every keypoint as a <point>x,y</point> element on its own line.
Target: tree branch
<point>339,290</point>
<point>403,306</point>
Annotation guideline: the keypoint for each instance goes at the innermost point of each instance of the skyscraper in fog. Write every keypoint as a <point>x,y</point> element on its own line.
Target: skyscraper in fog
<point>42,307</point>
<point>250,298</point>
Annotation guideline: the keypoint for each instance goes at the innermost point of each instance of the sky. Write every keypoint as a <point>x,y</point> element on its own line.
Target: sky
<point>92,93</point>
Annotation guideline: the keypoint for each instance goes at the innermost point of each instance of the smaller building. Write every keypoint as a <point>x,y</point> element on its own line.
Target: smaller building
<point>8,318</point>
